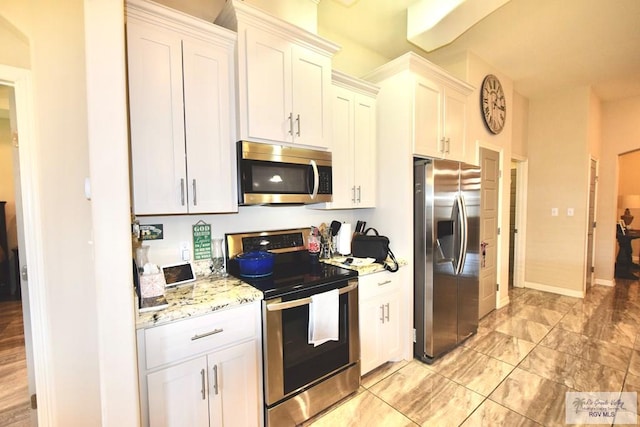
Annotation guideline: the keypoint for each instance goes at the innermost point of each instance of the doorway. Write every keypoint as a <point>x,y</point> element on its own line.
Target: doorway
<point>15,326</point>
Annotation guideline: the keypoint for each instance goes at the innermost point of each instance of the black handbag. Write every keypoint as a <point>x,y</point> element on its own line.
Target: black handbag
<point>374,246</point>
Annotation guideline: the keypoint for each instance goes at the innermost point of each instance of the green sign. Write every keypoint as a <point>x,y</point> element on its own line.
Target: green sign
<point>201,241</point>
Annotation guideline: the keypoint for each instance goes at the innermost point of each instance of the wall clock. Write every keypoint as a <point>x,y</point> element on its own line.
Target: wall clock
<point>493,104</point>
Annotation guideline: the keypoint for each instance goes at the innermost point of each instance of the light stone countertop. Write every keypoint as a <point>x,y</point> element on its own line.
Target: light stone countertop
<point>207,296</point>
<point>363,269</point>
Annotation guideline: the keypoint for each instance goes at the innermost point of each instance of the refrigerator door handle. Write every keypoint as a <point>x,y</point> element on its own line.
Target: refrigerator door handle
<point>462,210</point>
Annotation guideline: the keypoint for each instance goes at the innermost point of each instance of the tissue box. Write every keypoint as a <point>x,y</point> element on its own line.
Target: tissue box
<point>152,285</point>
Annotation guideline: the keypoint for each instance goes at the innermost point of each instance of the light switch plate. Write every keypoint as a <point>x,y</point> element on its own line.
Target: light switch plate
<point>554,211</point>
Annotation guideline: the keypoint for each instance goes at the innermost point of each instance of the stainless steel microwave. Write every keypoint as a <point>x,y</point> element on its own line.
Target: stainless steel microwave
<point>271,174</point>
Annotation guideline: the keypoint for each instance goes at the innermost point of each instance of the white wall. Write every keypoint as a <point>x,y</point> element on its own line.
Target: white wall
<point>558,154</point>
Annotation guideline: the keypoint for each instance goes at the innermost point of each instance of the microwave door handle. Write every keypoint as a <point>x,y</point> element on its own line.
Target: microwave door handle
<point>316,178</point>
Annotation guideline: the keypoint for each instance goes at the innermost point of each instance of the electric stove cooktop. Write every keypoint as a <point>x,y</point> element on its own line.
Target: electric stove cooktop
<point>295,271</point>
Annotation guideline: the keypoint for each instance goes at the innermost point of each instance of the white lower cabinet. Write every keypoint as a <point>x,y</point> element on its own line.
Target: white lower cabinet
<point>214,377</point>
<point>380,319</point>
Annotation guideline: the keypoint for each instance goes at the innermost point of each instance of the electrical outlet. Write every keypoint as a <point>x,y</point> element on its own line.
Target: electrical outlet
<point>570,212</point>
<point>554,211</point>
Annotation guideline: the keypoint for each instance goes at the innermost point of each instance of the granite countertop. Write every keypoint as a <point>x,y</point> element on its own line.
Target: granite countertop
<point>207,295</point>
<point>361,269</point>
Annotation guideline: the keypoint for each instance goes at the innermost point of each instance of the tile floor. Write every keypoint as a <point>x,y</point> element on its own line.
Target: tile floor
<point>515,371</point>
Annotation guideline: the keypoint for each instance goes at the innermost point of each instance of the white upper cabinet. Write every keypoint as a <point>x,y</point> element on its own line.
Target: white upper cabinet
<point>353,144</point>
<point>181,106</point>
<point>437,105</point>
<point>284,79</point>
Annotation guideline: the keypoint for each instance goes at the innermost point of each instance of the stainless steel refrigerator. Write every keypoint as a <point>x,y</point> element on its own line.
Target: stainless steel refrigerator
<point>446,255</point>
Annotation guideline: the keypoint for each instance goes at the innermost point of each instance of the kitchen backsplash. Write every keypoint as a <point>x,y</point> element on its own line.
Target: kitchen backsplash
<point>178,229</point>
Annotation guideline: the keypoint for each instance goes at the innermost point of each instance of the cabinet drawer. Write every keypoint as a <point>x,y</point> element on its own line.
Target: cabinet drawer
<point>376,284</point>
<point>169,343</point>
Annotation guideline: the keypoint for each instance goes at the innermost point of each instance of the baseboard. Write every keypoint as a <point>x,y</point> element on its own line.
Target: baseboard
<point>554,289</point>
<point>604,282</point>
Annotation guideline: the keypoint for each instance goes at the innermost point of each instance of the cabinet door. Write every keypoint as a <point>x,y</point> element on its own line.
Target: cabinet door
<point>342,149</point>
<point>266,106</point>
<point>391,349</point>
<point>371,335</point>
<point>208,115</point>
<point>364,152</point>
<point>427,119</point>
<point>156,119</point>
<point>455,110</point>
<point>178,395</point>
<point>233,386</point>
<point>311,74</point>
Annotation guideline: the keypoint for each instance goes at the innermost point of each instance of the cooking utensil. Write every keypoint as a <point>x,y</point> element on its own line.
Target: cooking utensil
<point>256,263</point>
<point>335,227</point>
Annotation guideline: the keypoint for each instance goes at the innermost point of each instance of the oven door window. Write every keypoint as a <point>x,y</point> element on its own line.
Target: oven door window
<point>276,178</point>
<point>302,362</point>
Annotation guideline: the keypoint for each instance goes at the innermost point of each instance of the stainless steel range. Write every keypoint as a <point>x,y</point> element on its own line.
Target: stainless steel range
<point>300,379</point>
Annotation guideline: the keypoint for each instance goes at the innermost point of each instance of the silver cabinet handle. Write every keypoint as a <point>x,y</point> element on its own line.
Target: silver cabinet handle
<point>382,314</point>
<point>353,192</point>
<point>359,193</point>
<point>275,306</point>
<point>448,141</point>
<point>291,124</point>
<point>298,121</point>
<point>215,379</point>
<point>206,334</point>
<point>387,316</point>
<point>204,382</point>
<point>182,191</point>
<point>442,150</point>
<point>195,200</point>
<point>386,282</point>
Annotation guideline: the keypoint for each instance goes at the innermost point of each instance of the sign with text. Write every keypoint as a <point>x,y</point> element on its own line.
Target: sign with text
<point>201,241</point>
<point>608,408</point>
<point>151,231</point>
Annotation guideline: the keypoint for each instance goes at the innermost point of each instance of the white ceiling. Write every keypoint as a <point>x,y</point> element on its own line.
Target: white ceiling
<point>542,45</point>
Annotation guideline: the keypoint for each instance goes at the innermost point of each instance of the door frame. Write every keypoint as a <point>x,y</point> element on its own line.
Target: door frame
<point>522,173</point>
<point>595,220</point>
<point>21,81</point>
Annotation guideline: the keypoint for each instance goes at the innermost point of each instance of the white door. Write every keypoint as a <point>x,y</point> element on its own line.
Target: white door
<point>178,395</point>
<point>156,112</point>
<point>233,386</point>
<point>268,91</point>
<point>342,148</point>
<point>208,113</point>
<point>311,82</point>
<point>455,110</point>
<point>427,121</point>
<point>490,165</point>
<point>364,151</point>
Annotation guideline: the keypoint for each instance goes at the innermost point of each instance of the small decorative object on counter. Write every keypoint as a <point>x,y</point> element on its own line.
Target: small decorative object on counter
<point>152,281</point>
<point>314,243</point>
<point>217,258</point>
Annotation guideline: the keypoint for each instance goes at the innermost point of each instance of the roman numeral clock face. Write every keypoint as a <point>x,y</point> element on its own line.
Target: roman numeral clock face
<point>493,104</point>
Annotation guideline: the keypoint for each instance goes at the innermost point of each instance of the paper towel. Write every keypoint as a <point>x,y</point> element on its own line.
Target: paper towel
<point>344,239</point>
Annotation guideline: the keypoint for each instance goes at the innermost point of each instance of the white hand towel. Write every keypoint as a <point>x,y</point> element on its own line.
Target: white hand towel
<point>324,318</point>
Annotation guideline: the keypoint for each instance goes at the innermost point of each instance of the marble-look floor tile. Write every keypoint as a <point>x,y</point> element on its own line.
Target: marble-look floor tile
<point>537,398</point>
<point>539,314</point>
<point>636,345</point>
<point>365,409</point>
<point>523,329</point>
<point>381,373</point>
<point>514,293</point>
<point>427,397</point>
<point>474,370</point>
<point>491,414</point>
<point>574,372</point>
<point>549,301</point>
<point>611,355</point>
<point>506,348</point>
<point>616,333</point>
<point>632,384</point>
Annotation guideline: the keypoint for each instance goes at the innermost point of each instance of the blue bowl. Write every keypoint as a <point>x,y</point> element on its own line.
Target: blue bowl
<point>256,263</point>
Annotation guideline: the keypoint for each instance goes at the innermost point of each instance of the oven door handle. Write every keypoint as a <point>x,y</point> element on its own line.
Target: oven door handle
<point>275,306</point>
